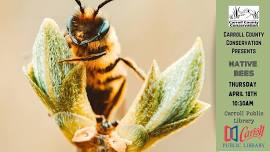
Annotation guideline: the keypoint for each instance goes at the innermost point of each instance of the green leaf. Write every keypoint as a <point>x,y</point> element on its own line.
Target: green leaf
<point>60,86</point>
<point>72,94</point>
<point>29,73</point>
<point>63,84</point>
<point>69,123</point>
<point>134,133</point>
<point>166,102</point>
<point>147,99</point>
<point>197,110</point>
<point>182,84</point>
<point>49,48</point>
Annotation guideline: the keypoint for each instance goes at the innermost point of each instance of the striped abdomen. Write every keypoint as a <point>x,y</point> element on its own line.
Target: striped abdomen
<point>105,88</point>
<point>106,79</point>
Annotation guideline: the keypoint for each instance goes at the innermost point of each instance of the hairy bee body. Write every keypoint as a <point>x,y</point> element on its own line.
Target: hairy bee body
<point>99,51</point>
<point>106,82</point>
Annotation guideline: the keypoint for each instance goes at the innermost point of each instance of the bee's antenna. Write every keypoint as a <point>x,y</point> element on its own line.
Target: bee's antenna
<point>80,5</point>
<point>100,6</point>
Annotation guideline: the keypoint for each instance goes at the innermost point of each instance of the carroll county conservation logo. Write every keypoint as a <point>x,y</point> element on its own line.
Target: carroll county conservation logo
<point>244,16</point>
<point>245,133</point>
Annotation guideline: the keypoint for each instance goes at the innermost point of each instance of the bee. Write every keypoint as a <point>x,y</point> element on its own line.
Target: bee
<point>93,41</point>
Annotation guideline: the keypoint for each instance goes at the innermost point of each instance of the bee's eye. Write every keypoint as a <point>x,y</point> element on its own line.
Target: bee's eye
<point>104,28</point>
<point>85,31</point>
<point>98,30</point>
<point>101,29</point>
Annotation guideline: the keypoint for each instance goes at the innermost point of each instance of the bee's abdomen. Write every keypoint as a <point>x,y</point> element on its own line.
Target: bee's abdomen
<point>105,95</point>
<point>97,98</point>
<point>106,79</point>
<point>105,89</point>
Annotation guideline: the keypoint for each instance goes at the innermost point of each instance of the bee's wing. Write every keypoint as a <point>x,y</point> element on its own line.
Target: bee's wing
<point>167,101</point>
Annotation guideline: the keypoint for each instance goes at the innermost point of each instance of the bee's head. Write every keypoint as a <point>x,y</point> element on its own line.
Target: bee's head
<point>86,26</point>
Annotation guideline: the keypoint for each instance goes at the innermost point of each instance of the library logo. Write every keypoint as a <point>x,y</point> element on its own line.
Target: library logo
<point>230,133</point>
<point>242,134</point>
<point>244,16</point>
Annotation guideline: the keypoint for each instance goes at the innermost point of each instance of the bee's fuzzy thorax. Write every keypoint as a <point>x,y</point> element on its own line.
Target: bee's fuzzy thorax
<point>113,50</point>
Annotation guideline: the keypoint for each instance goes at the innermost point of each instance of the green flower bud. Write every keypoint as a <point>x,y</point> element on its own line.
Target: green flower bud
<point>167,101</point>
<point>60,86</point>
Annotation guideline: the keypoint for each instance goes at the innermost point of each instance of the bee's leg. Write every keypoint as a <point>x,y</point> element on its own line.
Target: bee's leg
<point>117,99</point>
<point>130,63</point>
<point>88,58</point>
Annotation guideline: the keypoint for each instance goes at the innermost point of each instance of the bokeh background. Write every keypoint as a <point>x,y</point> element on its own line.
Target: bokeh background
<point>148,29</point>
